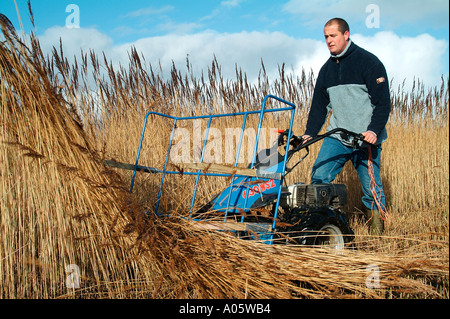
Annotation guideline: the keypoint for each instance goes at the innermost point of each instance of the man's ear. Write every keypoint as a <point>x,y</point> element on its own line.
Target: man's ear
<point>346,35</point>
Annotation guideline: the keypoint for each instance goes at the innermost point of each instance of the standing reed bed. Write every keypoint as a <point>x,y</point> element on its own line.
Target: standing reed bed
<point>61,206</point>
<point>58,208</point>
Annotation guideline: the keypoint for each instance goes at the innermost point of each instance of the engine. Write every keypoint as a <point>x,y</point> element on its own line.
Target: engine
<point>315,195</point>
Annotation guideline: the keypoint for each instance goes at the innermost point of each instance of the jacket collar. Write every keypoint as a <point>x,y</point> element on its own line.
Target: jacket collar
<point>343,53</point>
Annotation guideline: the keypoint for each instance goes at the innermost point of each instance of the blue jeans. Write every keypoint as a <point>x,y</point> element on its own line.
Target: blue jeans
<point>331,159</point>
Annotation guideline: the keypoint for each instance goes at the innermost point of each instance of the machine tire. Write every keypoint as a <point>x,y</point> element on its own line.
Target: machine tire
<point>329,235</point>
<point>324,227</point>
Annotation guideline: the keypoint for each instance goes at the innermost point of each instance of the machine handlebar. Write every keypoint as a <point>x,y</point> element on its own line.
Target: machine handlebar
<point>356,141</point>
<point>298,143</point>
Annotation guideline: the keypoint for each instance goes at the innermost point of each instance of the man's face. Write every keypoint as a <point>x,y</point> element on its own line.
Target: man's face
<point>336,40</point>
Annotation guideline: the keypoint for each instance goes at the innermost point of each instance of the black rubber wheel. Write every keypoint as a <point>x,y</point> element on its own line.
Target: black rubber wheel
<point>323,227</point>
<point>329,235</point>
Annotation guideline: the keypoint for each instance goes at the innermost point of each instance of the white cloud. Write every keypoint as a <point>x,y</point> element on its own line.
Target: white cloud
<point>406,58</point>
<point>244,49</point>
<point>422,56</point>
<point>73,40</point>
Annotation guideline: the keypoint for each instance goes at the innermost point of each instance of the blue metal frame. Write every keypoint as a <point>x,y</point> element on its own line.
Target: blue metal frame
<point>243,178</point>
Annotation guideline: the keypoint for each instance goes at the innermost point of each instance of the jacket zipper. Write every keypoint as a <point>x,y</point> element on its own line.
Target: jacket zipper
<point>339,70</point>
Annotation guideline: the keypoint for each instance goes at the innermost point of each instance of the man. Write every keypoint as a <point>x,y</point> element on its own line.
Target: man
<point>353,86</point>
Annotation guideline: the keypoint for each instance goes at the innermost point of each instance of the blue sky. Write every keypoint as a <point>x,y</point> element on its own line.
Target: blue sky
<point>410,36</point>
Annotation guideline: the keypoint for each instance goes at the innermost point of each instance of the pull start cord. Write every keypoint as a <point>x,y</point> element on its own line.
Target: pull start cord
<point>376,192</point>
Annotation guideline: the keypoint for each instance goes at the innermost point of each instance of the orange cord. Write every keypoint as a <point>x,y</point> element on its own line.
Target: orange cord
<point>376,192</point>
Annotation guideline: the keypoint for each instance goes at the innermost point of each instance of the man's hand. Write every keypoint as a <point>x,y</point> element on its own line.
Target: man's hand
<point>306,138</point>
<point>370,137</point>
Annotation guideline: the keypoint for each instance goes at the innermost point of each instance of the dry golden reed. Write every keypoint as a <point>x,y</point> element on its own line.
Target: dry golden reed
<point>61,206</point>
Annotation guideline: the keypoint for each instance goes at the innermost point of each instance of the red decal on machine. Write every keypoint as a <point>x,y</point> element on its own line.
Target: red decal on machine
<point>259,188</point>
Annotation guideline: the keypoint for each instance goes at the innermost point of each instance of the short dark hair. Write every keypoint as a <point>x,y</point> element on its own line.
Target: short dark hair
<point>342,24</point>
